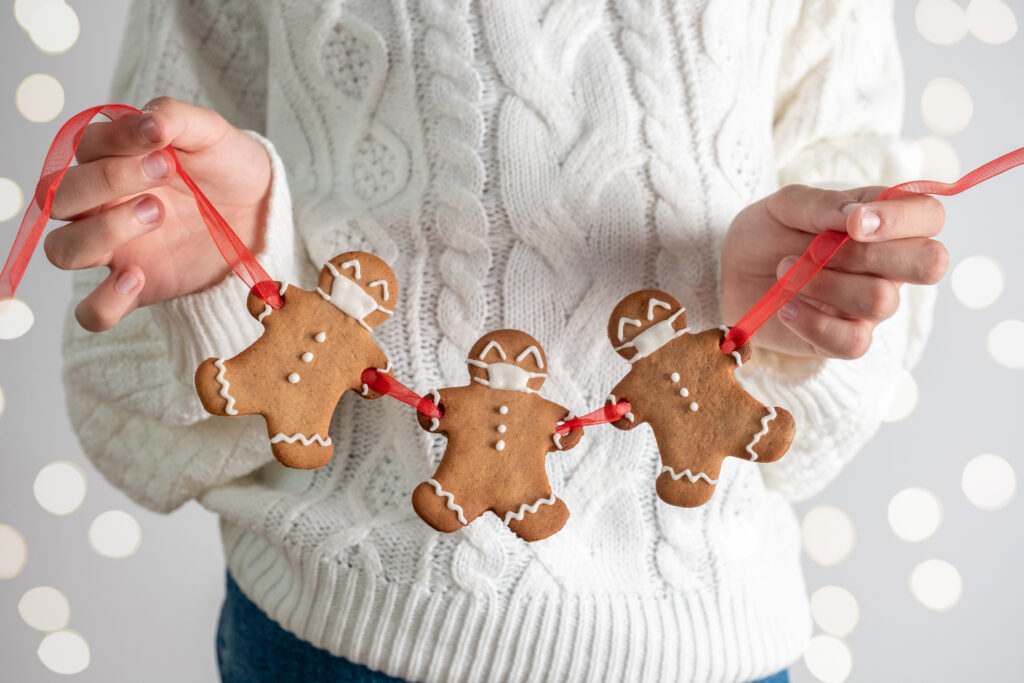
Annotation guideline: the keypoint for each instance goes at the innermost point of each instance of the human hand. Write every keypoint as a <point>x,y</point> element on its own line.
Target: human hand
<point>129,213</point>
<point>835,314</point>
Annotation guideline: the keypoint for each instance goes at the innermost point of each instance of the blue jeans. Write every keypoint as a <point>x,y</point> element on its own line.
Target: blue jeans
<point>252,648</point>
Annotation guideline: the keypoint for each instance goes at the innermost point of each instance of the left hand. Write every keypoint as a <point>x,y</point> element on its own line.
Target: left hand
<point>835,314</point>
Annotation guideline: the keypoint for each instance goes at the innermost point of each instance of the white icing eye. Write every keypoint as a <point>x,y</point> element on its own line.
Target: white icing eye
<point>293,378</point>
<point>307,357</point>
<point>321,337</point>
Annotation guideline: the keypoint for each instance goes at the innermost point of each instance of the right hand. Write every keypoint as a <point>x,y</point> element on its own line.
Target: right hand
<point>128,215</point>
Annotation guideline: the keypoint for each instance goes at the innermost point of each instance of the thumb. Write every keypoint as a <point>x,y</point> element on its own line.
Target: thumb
<point>813,210</point>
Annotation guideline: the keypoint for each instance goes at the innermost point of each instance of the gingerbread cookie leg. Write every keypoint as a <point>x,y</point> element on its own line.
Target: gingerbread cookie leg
<point>303,448</point>
<point>769,435</point>
<point>686,486</point>
<point>439,506</point>
<point>539,519</point>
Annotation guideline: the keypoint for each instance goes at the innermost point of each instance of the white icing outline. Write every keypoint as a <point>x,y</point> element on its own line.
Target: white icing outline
<point>622,323</point>
<point>557,438</point>
<point>383,284</point>
<point>306,441</point>
<point>493,344</point>
<point>524,508</point>
<point>225,386</point>
<point>451,504</point>
<point>764,430</point>
<point>434,422</point>
<point>486,366</point>
<point>268,309</point>
<point>366,390</point>
<point>354,264</point>
<point>630,416</point>
<point>328,297</point>
<point>734,354</point>
<point>693,478</point>
<point>632,342</point>
<point>655,303</point>
<point>531,349</point>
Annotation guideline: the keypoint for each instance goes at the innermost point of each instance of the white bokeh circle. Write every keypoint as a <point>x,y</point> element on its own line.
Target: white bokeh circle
<point>1,401</point>
<point>24,10</point>
<point>939,160</point>
<point>64,652</point>
<point>991,21</point>
<point>835,610</point>
<point>942,22</point>
<point>946,106</point>
<point>989,482</point>
<point>904,400</point>
<point>828,659</point>
<point>16,318</point>
<point>13,552</point>
<point>977,281</point>
<point>54,28</point>
<point>115,534</point>
<point>1006,344</point>
<point>11,198</point>
<point>39,98</point>
<point>915,514</point>
<point>828,535</point>
<point>936,584</point>
<point>45,608</point>
<point>60,487</point>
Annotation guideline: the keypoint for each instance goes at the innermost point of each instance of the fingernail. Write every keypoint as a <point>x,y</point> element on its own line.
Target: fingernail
<point>147,210</point>
<point>785,265</point>
<point>149,129</point>
<point>155,165</point>
<point>125,283</point>
<point>789,311</point>
<point>869,222</point>
<point>848,208</point>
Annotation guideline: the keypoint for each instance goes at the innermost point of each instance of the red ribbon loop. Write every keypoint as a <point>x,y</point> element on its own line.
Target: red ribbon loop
<point>824,246</point>
<point>56,164</point>
<point>388,385</point>
<point>600,416</point>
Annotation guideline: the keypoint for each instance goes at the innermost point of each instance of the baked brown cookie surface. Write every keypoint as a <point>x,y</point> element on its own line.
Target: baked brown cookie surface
<point>499,432</point>
<point>312,350</point>
<point>684,387</point>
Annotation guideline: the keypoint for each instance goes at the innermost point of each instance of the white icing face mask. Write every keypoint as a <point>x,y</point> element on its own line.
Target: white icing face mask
<point>506,376</point>
<point>654,337</point>
<point>350,298</point>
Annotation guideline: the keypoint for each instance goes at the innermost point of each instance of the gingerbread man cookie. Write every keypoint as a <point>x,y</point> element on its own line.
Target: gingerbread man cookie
<point>499,433</point>
<point>684,387</point>
<point>312,350</point>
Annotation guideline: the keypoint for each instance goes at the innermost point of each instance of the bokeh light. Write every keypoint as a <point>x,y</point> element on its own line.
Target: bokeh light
<point>1006,344</point>
<point>64,652</point>
<point>989,482</point>
<point>939,160</point>
<point>835,610</point>
<point>915,514</point>
<point>828,659</point>
<point>15,318</point>
<point>942,22</point>
<point>60,487</point>
<point>45,608</point>
<point>936,584</point>
<point>904,400</point>
<point>24,10</point>
<point>54,28</point>
<point>977,281</point>
<point>1,401</point>
<point>827,534</point>
<point>115,534</point>
<point>946,106</point>
<point>13,552</point>
<point>11,198</point>
<point>39,98</point>
<point>991,21</point>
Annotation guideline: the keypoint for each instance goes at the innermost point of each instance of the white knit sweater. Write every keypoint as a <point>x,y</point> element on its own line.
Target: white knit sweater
<point>524,164</point>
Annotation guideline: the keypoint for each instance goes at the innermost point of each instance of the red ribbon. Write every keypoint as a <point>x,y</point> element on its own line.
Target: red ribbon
<point>56,164</point>
<point>600,416</point>
<point>388,385</point>
<point>826,244</point>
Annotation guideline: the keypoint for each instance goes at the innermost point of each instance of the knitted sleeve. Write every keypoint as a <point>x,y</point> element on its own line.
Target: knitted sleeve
<point>130,390</point>
<point>838,111</point>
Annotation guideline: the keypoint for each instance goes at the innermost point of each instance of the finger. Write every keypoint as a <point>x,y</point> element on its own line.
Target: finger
<point>90,242</point>
<point>115,298</point>
<point>852,294</point>
<point>186,126</point>
<point>129,136</point>
<point>811,209</point>
<point>829,335</point>
<point>917,260</point>
<point>90,185</point>
<point>921,216</point>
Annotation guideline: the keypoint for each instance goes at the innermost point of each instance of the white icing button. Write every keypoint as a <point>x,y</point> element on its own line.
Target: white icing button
<point>293,378</point>
<point>693,407</point>
<point>500,445</point>
<point>503,410</point>
<point>306,357</point>
<point>320,336</point>
<point>675,376</point>
<point>502,428</point>
<point>684,392</point>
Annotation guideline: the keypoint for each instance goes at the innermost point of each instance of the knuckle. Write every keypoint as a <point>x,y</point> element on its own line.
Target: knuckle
<point>934,263</point>
<point>883,300</point>
<point>857,342</point>
<point>111,175</point>
<point>161,102</point>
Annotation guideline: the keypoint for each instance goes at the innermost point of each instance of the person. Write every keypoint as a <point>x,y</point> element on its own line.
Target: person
<point>523,165</point>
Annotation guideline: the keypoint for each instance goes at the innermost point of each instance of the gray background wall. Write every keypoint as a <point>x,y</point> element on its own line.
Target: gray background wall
<point>151,616</point>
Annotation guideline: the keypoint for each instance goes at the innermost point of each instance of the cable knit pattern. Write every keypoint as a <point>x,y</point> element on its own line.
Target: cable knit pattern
<point>520,163</point>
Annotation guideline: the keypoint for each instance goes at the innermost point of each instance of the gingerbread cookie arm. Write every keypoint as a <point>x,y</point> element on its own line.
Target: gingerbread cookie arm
<point>257,307</point>
<point>377,360</point>
<point>622,391</point>
<point>434,424</point>
<point>560,442</point>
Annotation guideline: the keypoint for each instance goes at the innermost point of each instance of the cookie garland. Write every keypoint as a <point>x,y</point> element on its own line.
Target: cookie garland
<point>680,383</point>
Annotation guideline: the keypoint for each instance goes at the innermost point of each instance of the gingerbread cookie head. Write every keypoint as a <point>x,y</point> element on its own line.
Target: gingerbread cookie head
<point>508,359</point>
<point>361,285</point>
<point>643,322</point>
